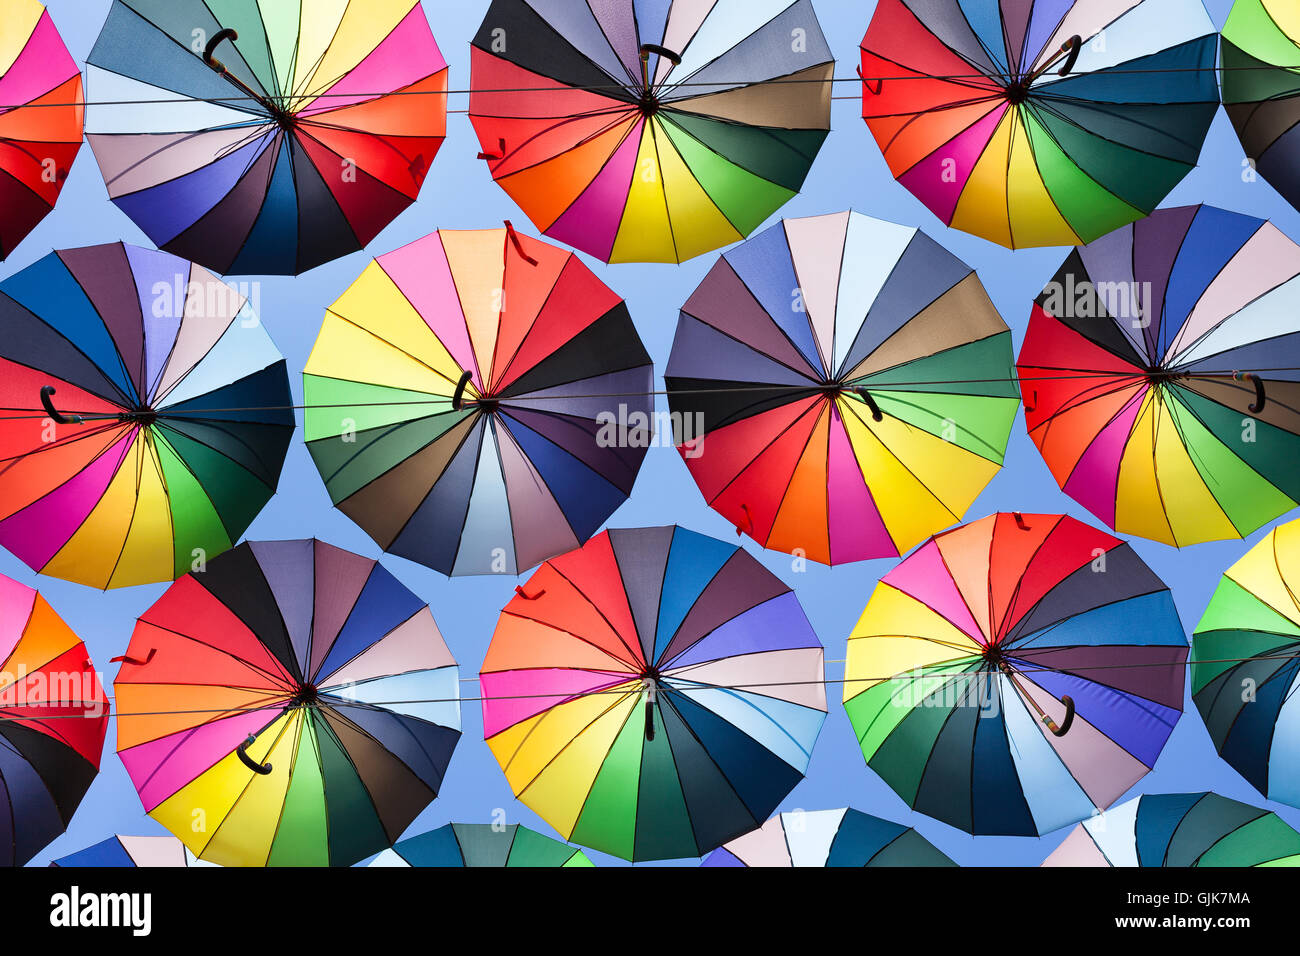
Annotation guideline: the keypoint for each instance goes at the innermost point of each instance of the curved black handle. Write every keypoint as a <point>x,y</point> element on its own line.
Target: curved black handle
<point>1060,730</point>
<point>876,413</point>
<point>1071,46</point>
<point>459,394</point>
<point>54,413</point>
<point>1260,397</point>
<point>649,721</point>
<point>249,762</point>
<point>208,58</point>
<point>667,54</point>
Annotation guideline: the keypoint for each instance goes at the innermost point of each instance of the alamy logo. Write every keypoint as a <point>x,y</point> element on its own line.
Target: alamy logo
<point>75,909</point>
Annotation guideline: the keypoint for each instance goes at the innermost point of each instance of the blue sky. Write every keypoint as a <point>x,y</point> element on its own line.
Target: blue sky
<point>460,194</point>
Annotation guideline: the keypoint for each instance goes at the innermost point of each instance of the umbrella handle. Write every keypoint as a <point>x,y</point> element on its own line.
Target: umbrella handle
<point>1255,380</point>
<point>1060,730</point>
<point>459,395</point>
<point>128,659</point>
<point>1071,46</point>
<point>249,762</point>
<point>667,54</point>
<point>208,58</point>
<point>54,413</point>
<point>649,686</point>
<point>876,413</point>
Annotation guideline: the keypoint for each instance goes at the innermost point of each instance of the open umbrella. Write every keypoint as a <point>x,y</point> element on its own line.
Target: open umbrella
<point>650,131</point>
<point>132,851</point>
<point>1182,830</point>
<point>1039,122</point>
<point>478,401</point>
<point>53,716</point>
<point>848,386</point>
<point>844,837</point>
<point>1261,88</point>
<point>1245,665</point>
<point>481,844</point>
<point>1015,674</point>
<point>291,705</point>
<point>1161,376</point>
<point>265,137</point>
<point>40,118</point>
<point>147,415</point>
<point>654,694</point>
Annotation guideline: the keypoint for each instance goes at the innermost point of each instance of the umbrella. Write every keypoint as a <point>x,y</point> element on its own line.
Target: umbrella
<point>844,837</point>
<point>482,844</point>
<point>292,705</point>
<point>1178,421</point>
<point>1015,674</point>
<point>478,401</point>
<point>148,414</point>
<point>1245,665</point>
<point>40,118</point>
<point>1180,829</point>
<point>265,138</point>
<point>1261,88</point>
<point>1039,122</point>
<point>650,131</point>
<point>132,851</point>
<point>856,415</point>
<point>654,694</point>
<point>53,716</point>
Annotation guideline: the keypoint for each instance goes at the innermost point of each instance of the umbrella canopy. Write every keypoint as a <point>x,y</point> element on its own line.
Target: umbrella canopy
<point>844,837</point>
<point>53,716</point>
<point>40,118</point>
<point>1245,665</point>
<point>265,137</point>
<point>482,844</point>
<point>650,131</point>
<point>1161,376</point>
<point>478,402</point>
<point>848,386</point>
<point>1040,122</point>
<point>1013,675</point>
<point>133,851</point>
<point>148,415</point>
<point>1180,829</point>
<point>292,705</point>
<point>1261,88</point>
<point>653,694</point>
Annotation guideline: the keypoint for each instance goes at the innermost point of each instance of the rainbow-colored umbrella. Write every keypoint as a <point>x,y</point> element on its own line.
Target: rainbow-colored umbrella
<point>1245,665</point>
<point>40,118</point>
<point>654,694</point>
<point>478,401</point>
<point>1180,830</point>
<point>1261,88</point>
<point>1013,675</point>
<point>292,705</point>
<point>265,137</point>
<point>650,131</point>
<point>147,414</point>
<point>53,716</point>
<point>844,837</point>
<point>1161,376</point>
<point>1039,122</point>
<point>845,387</point>
<point>132,851</point>
<point>481,845</point>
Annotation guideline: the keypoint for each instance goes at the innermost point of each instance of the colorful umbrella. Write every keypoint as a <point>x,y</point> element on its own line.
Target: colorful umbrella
<point>40,118</point>
<point>1039,122</point>
<point>133,851</point>
<point>844,837</point>
<point>1175,421</point>
<point>1180,829</point>
<point>688,631</point>
<point>478,402</point>
<point>292,705</point>
<point>481,844</point>
<point>1245,665</point>
<point>1261,88</point>
<point>148,415</point>
<point>53,716</point>
<point>265,137</point>
<point>848,387</point>
<point>1037,670</point>
<point>650,131</point>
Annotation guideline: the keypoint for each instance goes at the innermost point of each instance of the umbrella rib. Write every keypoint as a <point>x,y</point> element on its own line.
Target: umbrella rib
<point>902,464</point>
<point>622,699</point>
<point>810,373</point>
<point>284,681</point>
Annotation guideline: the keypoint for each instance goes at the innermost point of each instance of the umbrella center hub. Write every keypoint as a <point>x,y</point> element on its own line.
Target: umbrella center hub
<point>1017,92</point>
<point>651,674</point>
<point>488,405</point>
<point>142,416</point>
<point>1160,376</point>
<point>306,696</point>
<point>648,103</point>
